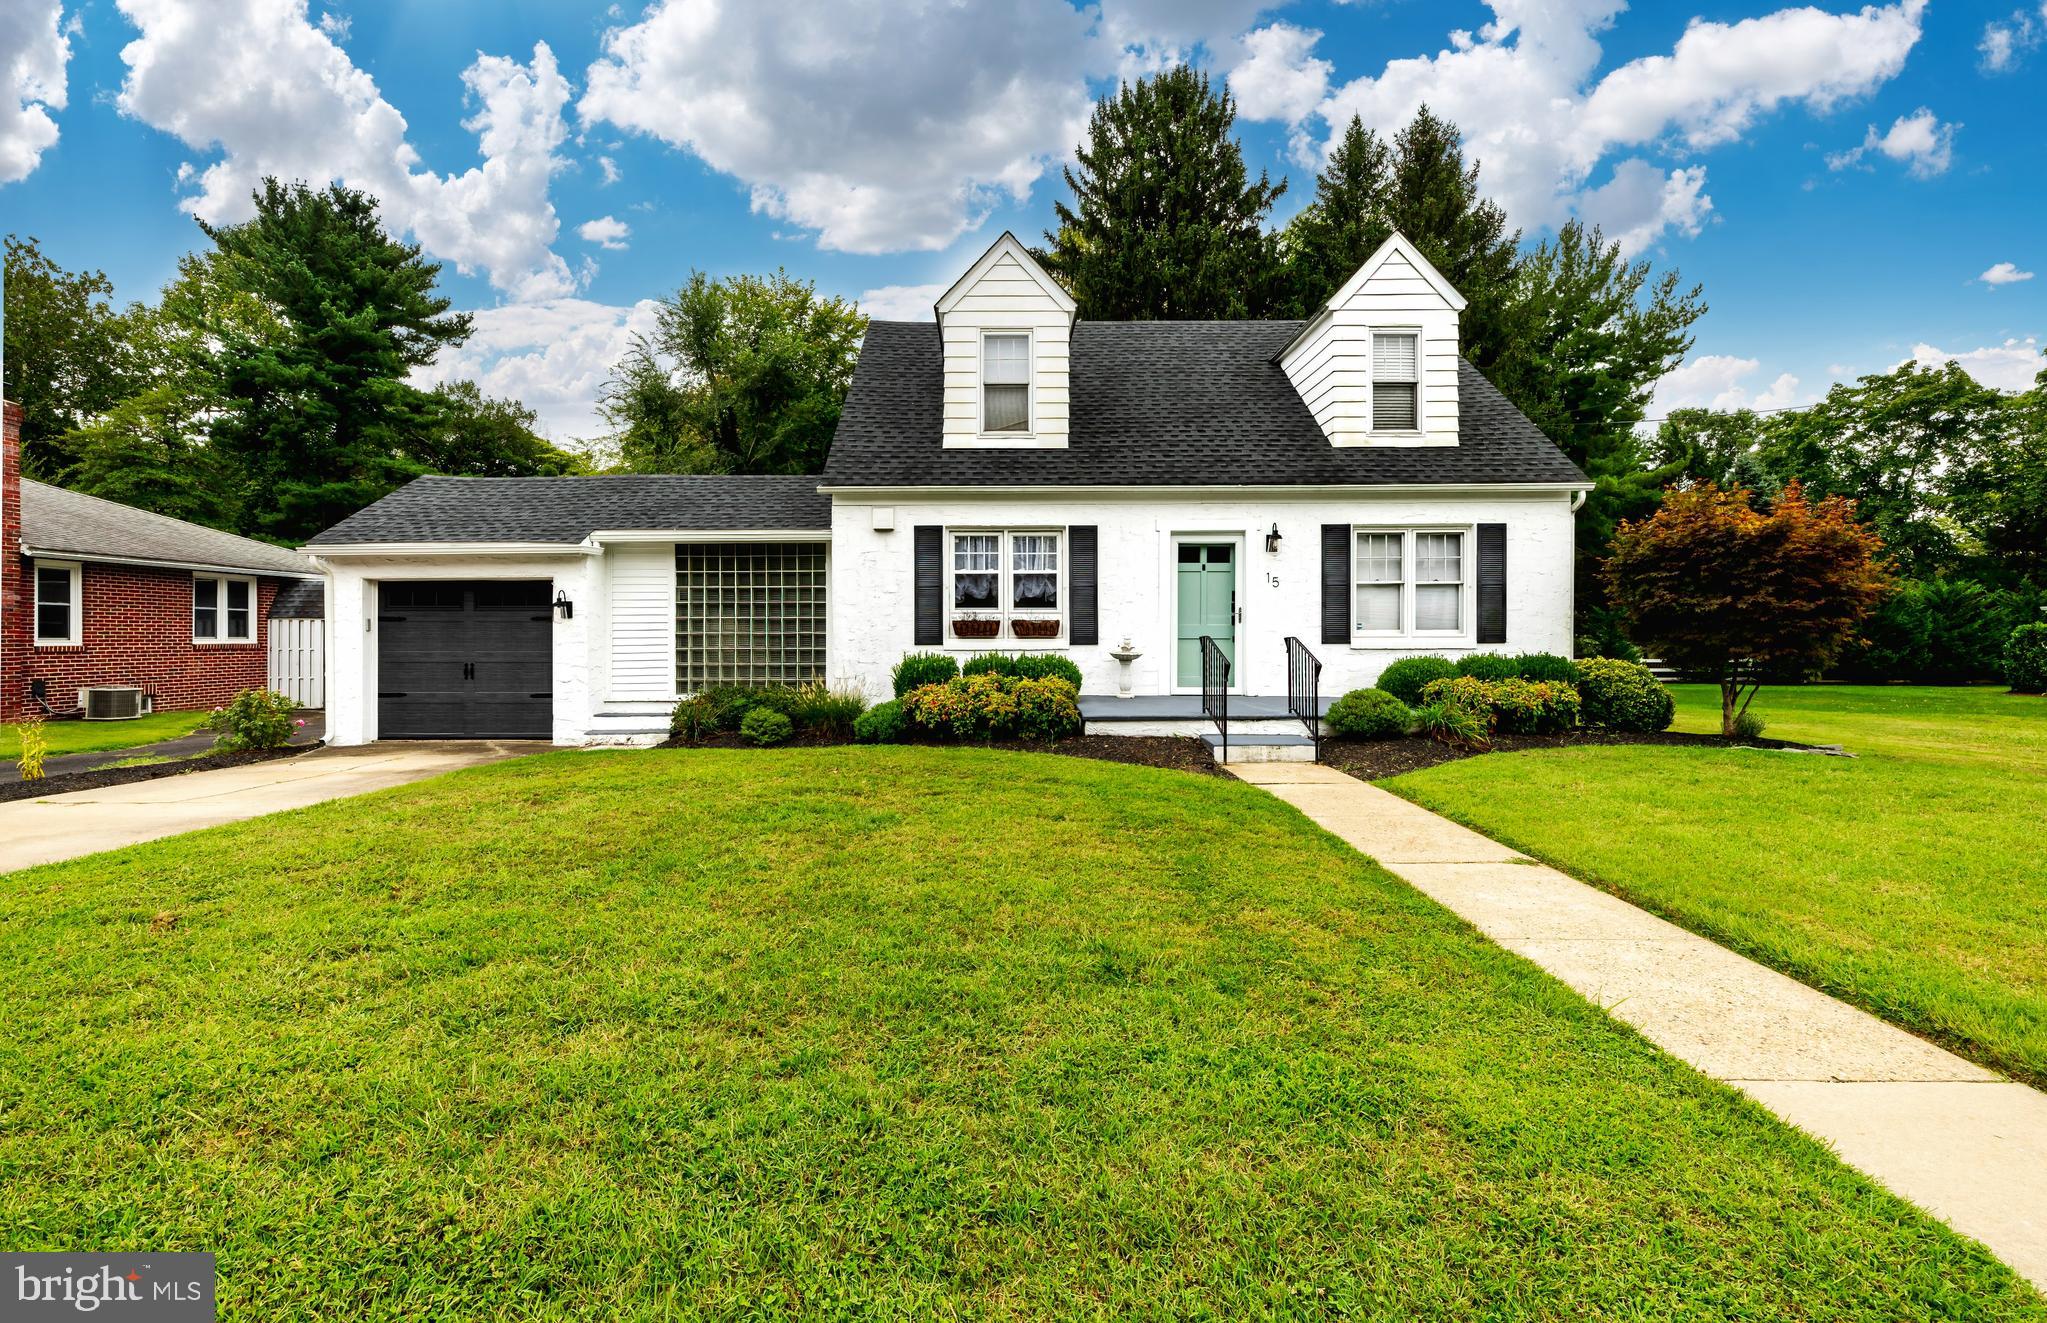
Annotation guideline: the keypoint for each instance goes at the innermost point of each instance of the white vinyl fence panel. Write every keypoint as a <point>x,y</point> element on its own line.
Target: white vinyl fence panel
<point>298,660</point>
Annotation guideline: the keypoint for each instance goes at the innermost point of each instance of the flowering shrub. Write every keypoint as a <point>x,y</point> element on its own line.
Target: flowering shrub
<point>988,706</point>
<point>254,719</point>
<point>1523,707</point>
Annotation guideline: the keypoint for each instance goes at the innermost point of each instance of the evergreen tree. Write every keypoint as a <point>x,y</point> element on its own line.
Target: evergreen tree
<point>1165,222</point>
<point>317,421</point>
<point>1333,235</point>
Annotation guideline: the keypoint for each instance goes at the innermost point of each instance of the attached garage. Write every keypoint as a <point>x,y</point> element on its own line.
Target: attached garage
<point>465,659</point>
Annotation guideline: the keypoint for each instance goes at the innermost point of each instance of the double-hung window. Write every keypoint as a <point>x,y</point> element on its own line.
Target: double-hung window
<point>1396,381</point>
<point>223,609</point>
<point>1006,382</point>
<point>59,607</point>
<point>1408,582</point>
<point>1006,584</point>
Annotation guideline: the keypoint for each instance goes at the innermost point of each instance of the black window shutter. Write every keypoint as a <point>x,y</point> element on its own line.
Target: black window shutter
<point>930,580</point>
<point>1336,583</point>
<point>1080,543</point>
<point>1492,583</point>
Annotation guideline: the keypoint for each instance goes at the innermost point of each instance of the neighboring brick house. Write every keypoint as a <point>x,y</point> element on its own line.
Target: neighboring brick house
<point>94,593</point>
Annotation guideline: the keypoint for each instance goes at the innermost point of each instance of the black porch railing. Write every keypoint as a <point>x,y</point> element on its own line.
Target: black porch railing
<point>1304,689</point>
<point>1215,691</point>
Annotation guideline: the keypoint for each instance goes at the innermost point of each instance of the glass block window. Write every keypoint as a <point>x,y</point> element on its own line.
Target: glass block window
<point>748,613</point>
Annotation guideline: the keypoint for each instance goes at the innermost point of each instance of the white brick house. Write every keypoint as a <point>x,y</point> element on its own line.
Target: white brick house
<point>1003,478</point>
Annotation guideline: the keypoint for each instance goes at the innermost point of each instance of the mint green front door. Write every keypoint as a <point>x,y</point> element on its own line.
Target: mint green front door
<point>1207,605</point>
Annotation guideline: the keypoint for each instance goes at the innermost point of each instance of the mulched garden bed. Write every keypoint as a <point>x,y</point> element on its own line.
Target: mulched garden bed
<point>102,778</point>
<point>1373,760</point>
<point>1177,752</point>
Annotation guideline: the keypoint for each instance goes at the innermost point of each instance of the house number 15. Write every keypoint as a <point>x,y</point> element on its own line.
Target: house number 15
<point>1272,578</point>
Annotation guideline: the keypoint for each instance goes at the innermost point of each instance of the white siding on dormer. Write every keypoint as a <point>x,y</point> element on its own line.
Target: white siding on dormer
<point>1331,365</point>
<point>1006,297</point>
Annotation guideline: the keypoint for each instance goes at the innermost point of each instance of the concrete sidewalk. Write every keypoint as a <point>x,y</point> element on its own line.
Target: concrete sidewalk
<point>65,826</point>
<point>1950,1136</point>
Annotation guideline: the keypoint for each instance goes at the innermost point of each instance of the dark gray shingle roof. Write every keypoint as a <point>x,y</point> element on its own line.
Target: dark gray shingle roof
<point>1165,404</point>
<point>85,527</point>
<point>301,599</point>
<point>568,510</point>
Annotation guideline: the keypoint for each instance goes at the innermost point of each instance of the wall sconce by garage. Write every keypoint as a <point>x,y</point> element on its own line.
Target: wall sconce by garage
<point>1272,539</point>
<point>563,605</point>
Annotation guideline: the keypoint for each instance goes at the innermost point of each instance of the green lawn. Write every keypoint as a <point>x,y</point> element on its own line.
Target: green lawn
<point>903,1032</point>
<point>94,736</point>
<point>1910,880</point>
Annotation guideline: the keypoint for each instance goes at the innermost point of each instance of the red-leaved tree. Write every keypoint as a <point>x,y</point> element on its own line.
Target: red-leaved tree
<point>1713,585</point>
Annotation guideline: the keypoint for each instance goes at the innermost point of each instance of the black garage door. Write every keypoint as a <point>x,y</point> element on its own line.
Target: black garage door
<point>465,660</point>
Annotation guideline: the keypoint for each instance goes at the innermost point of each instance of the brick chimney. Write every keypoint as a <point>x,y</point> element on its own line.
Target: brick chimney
<point>15,602</point>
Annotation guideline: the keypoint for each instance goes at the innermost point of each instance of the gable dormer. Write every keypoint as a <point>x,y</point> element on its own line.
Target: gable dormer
<point>1007,328</point>
<point>1377,365</point>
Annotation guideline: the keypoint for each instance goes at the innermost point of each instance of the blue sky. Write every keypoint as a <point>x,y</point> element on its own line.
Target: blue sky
<point>1853,185</point>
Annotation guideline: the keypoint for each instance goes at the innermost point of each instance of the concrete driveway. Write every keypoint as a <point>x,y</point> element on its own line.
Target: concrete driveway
<point>42,831</point>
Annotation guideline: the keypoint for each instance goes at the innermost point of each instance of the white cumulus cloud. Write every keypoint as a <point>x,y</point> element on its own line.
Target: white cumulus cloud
<point>2004,273</point>
<point>2011,366</point>
<point>1918,141</point>
<point>552,354</point>
<point>882,126</point>
<point>1722,381</point>
<point>2007,41</point>
<point>34,51</point>
<point>606,231</point>
<point>1527,93</point>
<point>901,303</point>
<point>262,89</point>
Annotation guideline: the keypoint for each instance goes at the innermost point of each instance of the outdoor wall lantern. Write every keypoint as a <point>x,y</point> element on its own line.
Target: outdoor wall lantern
<point>563,605</point>
<point>1272,539</point>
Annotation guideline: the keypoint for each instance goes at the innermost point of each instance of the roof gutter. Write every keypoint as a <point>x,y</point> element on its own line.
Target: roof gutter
<point>352,550</point>
<point>1126,492</point>
<point>204,567</point>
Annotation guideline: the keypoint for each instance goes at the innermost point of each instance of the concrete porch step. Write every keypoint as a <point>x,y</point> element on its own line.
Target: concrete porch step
<point>1260,748</point>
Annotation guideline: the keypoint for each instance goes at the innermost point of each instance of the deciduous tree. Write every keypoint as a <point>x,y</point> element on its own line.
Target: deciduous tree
<point>1714,585</point>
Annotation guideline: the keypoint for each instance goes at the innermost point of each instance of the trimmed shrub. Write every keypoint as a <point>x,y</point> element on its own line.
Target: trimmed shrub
<point>693,718</point>
<point>764,726</point>
<point>989,663</point>
<point>1048,666</point>
<point>1453,724</point>
<point>884,723</point>
<point>1047,708</point>
<point>253,719</point>
<point>918,669</point>
<point>1488,666</point>
<point>1369,714</point>
<point>827,711</point>
<point>1748,725</point>
<point>2025,659</point>
<point>1623,695</point>
<point>1546,666</point>
<point>1404,678</point>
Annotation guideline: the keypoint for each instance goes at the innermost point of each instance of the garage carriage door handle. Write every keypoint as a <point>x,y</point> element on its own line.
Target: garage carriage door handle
<point>469,670</point>
<point>399,694</point>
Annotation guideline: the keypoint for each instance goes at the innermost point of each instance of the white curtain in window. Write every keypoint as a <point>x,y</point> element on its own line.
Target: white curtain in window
<point>1439,581</point>
<point>1394,374</point>
<point>976,569</point>
<point>1035,569</point>
<point>1379,578</point>
<point>1006,383</point>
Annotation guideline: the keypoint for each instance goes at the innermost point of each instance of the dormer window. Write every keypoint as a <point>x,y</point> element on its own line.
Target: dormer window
<point>1396,382</point>
<point>1006,383</point>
